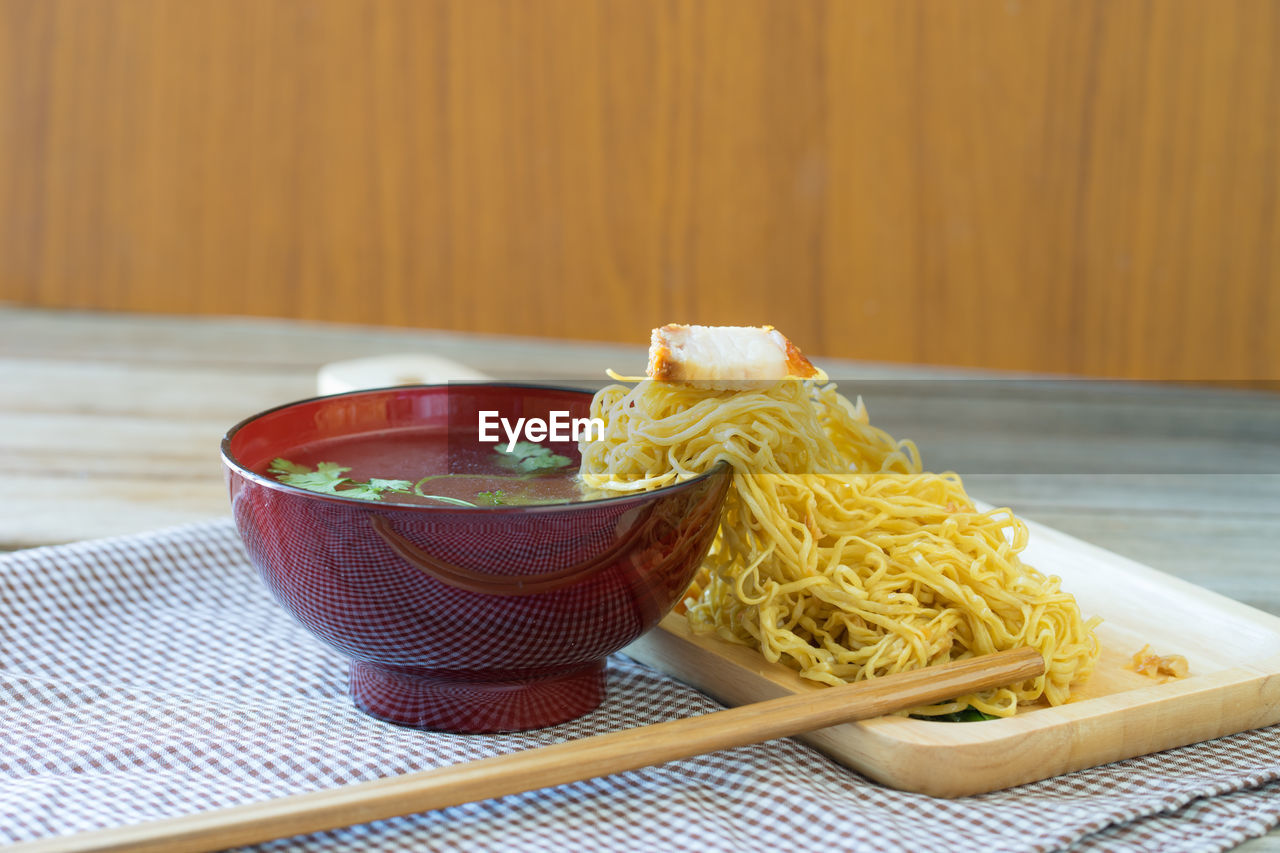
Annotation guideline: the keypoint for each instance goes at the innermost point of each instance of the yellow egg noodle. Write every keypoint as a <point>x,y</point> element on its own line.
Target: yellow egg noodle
<point>836,554</point>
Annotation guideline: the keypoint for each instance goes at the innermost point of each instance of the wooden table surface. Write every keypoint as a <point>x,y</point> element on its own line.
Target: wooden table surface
<point>110,424</point>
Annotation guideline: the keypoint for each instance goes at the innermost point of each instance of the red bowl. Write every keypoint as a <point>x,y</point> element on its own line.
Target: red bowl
<point>457,618</point>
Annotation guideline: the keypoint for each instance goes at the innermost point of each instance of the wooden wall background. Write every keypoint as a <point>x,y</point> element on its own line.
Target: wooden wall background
<point>1088,186</point>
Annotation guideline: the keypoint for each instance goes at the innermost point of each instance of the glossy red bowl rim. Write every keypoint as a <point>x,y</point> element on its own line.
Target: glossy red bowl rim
<point>721,467</point>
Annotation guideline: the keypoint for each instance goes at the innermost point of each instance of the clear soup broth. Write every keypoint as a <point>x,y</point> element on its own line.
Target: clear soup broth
<point>431,467</point>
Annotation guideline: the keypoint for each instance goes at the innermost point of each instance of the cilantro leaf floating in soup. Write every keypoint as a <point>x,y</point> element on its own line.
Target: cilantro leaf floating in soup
<point>529,457</point>
<point>329,478</point>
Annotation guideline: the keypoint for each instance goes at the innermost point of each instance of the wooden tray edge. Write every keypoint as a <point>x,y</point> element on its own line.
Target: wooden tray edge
<point>908,755</point>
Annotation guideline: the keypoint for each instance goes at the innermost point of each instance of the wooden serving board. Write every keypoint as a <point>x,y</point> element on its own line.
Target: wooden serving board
<point>1234,684</point>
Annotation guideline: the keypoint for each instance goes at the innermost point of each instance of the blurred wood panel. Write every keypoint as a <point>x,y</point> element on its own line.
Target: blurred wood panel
<point>1079,186</point>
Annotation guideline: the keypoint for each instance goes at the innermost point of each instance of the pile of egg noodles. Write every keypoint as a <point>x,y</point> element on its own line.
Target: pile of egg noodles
<point>836,554</point>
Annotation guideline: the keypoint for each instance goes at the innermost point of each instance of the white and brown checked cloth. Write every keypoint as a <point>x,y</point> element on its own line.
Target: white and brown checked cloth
<point>150,676</point>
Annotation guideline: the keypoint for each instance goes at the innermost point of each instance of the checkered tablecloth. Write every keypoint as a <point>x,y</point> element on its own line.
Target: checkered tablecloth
<point>151,676</point>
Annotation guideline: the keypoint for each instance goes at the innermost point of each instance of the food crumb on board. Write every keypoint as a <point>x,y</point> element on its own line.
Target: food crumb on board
<point>1148,663</point>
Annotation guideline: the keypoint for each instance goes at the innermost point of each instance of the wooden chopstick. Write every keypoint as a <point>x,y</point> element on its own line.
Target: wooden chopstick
<point>543,767</point>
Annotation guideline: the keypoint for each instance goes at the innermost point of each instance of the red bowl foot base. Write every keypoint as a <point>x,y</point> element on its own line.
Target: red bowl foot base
<point>474,707</point>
